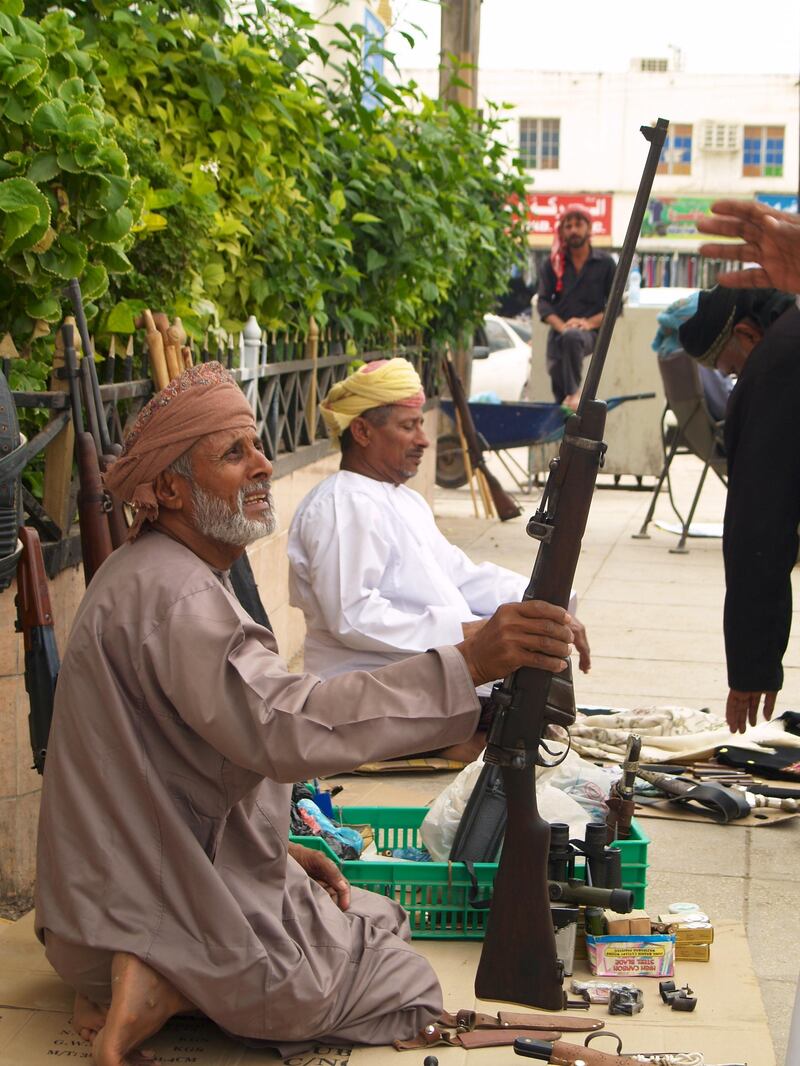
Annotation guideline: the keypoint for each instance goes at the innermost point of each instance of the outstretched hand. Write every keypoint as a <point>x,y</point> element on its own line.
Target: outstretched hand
<point>742,708</point>
<point>771,239</point>
<point>532,633</point>
<point>326,873</point>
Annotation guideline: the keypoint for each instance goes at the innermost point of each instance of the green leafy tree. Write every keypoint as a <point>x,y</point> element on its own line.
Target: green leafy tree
<point>67,202</point>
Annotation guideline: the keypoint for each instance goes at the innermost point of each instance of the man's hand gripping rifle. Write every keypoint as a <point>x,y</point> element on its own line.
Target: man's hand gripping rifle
<point>518,961</point>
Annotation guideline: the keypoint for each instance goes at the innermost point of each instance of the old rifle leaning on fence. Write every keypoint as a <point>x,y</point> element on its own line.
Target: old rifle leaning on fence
<point>518,960</point>
<point>94,503</point>
<point>107,453</point>
<point>35,622</point>
<point>504,504</point>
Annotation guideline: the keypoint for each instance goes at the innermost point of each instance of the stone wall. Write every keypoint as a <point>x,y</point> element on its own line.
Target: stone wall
<point>19,784</point>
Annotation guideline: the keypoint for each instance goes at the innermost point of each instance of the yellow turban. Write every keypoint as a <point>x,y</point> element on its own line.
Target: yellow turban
<point>382,382</point>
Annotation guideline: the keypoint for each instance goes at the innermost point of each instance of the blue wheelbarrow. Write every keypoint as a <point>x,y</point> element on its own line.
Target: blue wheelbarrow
<point>502,426</point>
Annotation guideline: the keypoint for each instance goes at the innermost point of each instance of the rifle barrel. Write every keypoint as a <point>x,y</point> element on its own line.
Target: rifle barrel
<point>656,135</point>
<point>93,399</point>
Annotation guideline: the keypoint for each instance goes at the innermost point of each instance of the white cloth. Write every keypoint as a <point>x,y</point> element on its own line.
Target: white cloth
<point>377,581</point>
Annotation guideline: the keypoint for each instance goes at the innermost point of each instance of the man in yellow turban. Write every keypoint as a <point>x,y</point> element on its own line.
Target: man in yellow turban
<point>165,882</point>
<point>376,580</point>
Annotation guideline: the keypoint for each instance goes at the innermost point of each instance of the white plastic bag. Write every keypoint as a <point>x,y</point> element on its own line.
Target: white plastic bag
<point>555,800</point>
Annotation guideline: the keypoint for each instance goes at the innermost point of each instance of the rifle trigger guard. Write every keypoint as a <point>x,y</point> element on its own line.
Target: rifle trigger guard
<point>564,754</point>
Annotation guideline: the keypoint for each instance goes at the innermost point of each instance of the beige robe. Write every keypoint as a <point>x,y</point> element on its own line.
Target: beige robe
<point>177,733</point>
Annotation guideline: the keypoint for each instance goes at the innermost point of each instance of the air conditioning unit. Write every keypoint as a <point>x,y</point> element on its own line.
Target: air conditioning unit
<point>720,136</point>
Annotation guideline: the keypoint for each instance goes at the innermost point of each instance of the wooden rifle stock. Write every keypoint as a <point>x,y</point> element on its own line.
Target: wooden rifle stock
<point>505,505</point>
<point>518,960</point>
<point>93,501</point>
<point>35,622</point>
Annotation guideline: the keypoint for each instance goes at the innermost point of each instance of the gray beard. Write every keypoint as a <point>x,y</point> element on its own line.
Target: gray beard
<point>214,518</point>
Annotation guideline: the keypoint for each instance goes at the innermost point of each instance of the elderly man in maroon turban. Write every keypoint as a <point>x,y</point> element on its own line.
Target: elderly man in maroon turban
<point>574,285</point>
<point>165,879</point>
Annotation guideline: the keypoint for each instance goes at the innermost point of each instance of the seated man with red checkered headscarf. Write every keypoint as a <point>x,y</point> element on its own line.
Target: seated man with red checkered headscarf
<point>574,285</point>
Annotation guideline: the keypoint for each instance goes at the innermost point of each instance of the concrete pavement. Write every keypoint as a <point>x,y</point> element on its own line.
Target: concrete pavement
<point>654,624</point>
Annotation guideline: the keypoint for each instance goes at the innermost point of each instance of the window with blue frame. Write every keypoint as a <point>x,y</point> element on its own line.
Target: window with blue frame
<point>676,155</point>
<point>539,143</point>
<point>373,58</point>
<point>762,153</point>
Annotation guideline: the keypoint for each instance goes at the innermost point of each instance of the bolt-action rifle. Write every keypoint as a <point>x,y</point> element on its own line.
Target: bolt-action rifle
<point>504,504</point>
<point>107,453</point>
<point>35,622</point>
<point>518,961</point>
<point>94,502</point>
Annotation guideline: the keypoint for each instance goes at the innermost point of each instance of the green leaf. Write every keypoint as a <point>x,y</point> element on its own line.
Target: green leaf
<point>112,228</point>
<point>158,198</point>
<point>47,308</point>
<point>66,257</point>
<point>12,7</point>
<point>94,281</point>
<point>17,225</point>
<point>72,90</point>
<point>338,199</point>
<point>27,214</point>
<point>213,275</point>
<point>68,161</point>
<point>114,192</point>
<point>120,319</point>
<point>44,167</point>
<point>115,261</point>
<point>364,216</point>
<point>49,120</point>
<point>375,260</point>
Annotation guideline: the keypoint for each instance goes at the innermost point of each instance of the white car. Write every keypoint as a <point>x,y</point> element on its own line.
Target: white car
<point>501,365</point>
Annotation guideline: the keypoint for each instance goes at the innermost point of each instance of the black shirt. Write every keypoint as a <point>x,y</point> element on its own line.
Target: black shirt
<point>763,508</point>
<point>582,295</point>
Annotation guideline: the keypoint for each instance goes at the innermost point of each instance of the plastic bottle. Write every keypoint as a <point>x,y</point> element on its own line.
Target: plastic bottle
<point>634,283</point>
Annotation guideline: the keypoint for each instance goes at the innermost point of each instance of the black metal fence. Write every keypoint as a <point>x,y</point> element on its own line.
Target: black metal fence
<point>284,387</point>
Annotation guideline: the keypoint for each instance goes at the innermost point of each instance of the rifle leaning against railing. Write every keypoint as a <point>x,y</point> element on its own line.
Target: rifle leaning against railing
<point>518,960</point>
<point>493,493</point>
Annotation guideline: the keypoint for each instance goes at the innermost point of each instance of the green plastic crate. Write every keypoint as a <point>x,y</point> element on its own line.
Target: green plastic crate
<point>436,894</point>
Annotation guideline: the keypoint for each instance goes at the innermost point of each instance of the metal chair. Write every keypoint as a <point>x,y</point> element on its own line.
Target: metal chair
<point>696,433</point>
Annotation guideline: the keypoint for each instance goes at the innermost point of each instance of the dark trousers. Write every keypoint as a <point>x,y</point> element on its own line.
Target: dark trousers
<point>565,354</point>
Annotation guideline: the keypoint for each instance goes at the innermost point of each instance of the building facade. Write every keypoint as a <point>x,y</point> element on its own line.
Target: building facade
<point>577,137</point>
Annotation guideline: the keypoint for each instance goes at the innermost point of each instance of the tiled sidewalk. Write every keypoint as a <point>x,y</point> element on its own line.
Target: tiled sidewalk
<point>654,623</point>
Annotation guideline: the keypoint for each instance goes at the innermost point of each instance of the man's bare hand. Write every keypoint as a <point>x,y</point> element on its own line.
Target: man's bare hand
<point>468,628</point>
<point>576,323</point>
<point>742,708</point>
<point>771,239</point>
<point>531,633</point>
<point>581,642</point>
<point>326,873</point>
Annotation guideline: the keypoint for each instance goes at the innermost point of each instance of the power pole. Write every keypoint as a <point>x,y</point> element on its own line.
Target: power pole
<point>460,45</point>
<point>461,34</point>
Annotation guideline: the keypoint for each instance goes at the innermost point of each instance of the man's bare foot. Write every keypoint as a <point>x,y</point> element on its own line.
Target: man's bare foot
<point>88,1018</point>
<point>572,401</point>
<point>466,752</point>
<point>141,1002</point>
